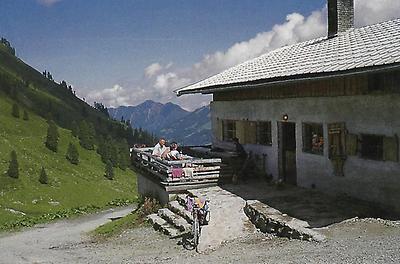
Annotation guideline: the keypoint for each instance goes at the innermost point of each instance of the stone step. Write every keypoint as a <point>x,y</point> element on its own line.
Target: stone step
<point>181,198</point>
<point>175,220</point>
<point>178,209</point>
<point>163,226</point>
<point>270,220</point>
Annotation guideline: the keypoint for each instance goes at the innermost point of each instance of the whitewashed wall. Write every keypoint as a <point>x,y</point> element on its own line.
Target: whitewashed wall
<point>377,181</point>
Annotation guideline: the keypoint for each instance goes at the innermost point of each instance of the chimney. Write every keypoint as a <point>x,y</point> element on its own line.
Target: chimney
<point>340,16</point>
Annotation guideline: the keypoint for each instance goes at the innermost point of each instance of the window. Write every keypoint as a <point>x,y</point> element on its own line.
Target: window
<point>263,136</point>
<point>372,147</point>
<point>229,129</point>
<point>313,138</point>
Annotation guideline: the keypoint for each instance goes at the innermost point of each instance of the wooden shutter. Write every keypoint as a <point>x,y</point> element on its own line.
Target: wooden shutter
<point>240,131</point>
<point>351,144</point>
<point>391,148</point>
<point>251,132</point>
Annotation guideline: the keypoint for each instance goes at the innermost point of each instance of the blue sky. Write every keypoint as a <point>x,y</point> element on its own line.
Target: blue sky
<point>104,47</point>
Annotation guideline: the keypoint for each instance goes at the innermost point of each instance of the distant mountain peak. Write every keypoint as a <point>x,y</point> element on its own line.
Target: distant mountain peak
<point>169,120</point>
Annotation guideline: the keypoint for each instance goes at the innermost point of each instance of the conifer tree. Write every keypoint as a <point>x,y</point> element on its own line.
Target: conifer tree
<point>86,137</point>
<point>13,170</point>
<point>123,155</point>
<point>72,154</point>
<point>43,179</point>
<point>26,115</point>
<point>109,174</point>
<point>74,129</point>
<point>52,136</point>
<point>15,110</point>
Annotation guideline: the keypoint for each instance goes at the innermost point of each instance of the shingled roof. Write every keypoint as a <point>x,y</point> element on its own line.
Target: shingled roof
<point>357,50</point>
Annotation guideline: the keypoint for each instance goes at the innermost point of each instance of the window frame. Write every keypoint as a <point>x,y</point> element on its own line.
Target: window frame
<point>268,134</point>
<point>379,148</point>
<point>226,131</point>
<point>306,148</point>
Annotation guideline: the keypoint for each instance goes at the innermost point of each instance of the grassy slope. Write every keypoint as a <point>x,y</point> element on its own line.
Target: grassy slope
<point>70,185</point>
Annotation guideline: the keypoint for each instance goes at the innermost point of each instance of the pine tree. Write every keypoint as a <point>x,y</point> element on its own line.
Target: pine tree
<point>15,110</point>
<point>13,170</point>
<point>26,115</point>
<point>52,136</point>
<point>109,171</point>
<point>72,154</point>
<point>43,179</point>
<point>123,155</point>
<point>74,129</point>
<point>86,135</point>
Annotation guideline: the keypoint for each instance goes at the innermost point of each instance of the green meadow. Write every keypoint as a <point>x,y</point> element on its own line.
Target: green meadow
<point>72,189</point>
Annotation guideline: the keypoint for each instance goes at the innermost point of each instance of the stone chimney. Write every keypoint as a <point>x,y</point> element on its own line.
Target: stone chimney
<point>340,16</point>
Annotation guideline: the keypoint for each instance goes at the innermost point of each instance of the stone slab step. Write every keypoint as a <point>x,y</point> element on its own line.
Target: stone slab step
<point>175,220</point>
<point>163,226</point>
<point>270,220</point>
<point>179,209</point>
<point>181,199</point>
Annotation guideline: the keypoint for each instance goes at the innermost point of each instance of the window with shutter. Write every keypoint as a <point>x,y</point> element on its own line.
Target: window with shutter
<point>351,144</point>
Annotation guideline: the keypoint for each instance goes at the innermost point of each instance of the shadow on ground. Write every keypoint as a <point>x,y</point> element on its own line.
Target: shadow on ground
<point>317,208</point>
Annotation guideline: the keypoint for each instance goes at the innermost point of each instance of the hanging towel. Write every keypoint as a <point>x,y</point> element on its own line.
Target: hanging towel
<point>188,172</point>
<point>177,173</point>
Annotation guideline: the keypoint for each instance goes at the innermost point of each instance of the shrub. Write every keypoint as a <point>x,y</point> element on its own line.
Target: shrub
<point>15,110</point>
<point>72,154</point>
<point>109,171</point>
<point>13,170</point>
<point>149,206</point>
<point>52,136</point>
<point>43,179</point>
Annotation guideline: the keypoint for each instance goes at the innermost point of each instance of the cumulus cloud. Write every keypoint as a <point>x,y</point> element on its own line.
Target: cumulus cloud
<point>48,2</point>
<point>160,80</point>
<point>113,97</point>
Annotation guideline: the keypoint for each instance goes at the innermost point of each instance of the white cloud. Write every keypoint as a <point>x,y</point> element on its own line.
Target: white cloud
<point>160,80</point>
<point>113,97</point>
<point>375,11</point>
<point>48,2</point>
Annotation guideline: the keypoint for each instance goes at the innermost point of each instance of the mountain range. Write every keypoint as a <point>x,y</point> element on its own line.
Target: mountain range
<point>168,120</point>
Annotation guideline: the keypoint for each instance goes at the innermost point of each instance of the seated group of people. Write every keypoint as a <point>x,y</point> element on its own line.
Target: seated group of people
<point>164,152</point>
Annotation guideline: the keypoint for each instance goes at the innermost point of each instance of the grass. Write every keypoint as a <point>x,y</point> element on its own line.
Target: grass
<point>116,227</point>
<point>71,188</point>
<point>146,207</point>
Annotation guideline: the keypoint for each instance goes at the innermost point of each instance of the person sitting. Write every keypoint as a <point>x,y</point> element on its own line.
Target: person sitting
<point>159,148</point>
<point>173,153</point>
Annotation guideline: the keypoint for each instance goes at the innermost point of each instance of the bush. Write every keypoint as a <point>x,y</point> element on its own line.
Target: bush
<point>26,116</point>
<point>72,154</point>
<point>15,110</point>
<point>109,171</point>
<point>52,136</point>
<point>149,206</point>
<point>43,179</point>
<point>13,170</point>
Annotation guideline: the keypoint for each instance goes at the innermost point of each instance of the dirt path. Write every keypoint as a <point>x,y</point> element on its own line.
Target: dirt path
<point>53,243</point>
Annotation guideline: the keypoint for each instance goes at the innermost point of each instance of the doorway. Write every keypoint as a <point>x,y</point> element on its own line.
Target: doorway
<point>287,152</point>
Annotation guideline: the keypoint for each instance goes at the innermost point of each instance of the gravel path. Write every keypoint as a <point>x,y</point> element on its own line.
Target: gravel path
<point>55,242</point>
<point>351,241</point>
<point>348,242</point>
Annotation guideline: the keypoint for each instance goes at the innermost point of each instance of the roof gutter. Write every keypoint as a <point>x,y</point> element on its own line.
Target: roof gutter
<point>238,86</point>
